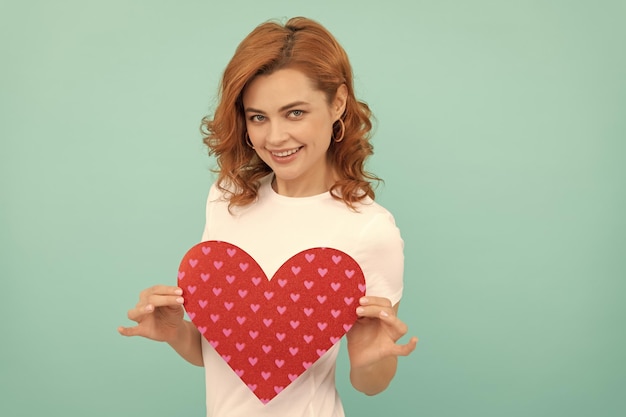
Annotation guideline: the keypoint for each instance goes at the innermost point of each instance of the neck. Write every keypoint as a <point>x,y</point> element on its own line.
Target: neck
<point>303,188</point>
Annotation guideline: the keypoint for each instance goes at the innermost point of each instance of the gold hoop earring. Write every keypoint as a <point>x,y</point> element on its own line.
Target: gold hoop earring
<point>343,131</point>
<point>248,142</point>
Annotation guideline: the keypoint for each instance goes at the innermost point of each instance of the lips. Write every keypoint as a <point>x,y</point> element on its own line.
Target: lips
<point>285,156</point>
<point>285,153</point>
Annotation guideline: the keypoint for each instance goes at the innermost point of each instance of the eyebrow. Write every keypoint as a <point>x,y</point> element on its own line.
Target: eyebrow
<point>282,109</point>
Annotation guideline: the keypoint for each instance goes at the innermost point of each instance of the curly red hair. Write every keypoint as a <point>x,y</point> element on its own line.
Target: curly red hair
<point>305,45</point>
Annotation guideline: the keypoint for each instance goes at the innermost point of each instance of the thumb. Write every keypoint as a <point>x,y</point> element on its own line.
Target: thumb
<point>128,331</point>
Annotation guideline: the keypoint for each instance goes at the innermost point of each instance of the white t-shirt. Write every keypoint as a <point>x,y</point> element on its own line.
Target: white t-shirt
<point>271,230</point>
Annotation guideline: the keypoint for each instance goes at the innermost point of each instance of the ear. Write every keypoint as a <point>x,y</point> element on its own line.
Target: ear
<point>339,103</point>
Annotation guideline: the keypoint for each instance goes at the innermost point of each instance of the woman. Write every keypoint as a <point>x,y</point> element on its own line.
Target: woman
<point>291,140</point>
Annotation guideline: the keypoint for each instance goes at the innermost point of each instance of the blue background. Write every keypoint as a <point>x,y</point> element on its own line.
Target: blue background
<point>500,133</point>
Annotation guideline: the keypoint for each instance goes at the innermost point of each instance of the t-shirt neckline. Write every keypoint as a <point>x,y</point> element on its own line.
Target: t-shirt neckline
<point>266,185</point>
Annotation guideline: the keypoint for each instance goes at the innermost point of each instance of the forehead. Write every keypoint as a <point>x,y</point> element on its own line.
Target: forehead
<point>280,87</point>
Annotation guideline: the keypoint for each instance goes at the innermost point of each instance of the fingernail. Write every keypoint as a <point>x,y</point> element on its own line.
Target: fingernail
<point>149,307</point>
<point>363,300</point>
<point>384,314</point>
<point>360,310</point>
<point>180,300</point>
<point>178,291</point>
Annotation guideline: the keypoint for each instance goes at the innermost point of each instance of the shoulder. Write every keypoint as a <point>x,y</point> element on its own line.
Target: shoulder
<point>221,190</point>
<point>380,228</point>
<point>224,189</point>
<point>371,225</point>
<point>375,213</point>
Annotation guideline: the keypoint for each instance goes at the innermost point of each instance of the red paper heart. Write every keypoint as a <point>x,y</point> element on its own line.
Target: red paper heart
<point>270,331</point>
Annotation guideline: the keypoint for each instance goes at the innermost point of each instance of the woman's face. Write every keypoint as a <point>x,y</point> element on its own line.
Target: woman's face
<point>290,125</point>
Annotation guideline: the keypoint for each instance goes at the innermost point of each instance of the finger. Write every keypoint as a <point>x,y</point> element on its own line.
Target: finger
<point>161,290</point>
<point>152,297</point>
<point>375,311</point>
<point>396,328</point>
<point>370,300</point>
<point>128,331</point>
<point>162,301</point>
<point>406,349</point>
<point>391,319</point>
<point>138,313</point>
<point>153,302</point>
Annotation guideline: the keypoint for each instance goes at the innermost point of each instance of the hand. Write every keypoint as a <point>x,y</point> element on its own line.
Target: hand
<point>159,314</point>
<point>373,336</point>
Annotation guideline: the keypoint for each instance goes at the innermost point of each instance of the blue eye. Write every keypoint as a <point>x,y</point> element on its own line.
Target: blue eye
<point>296,113</point>
<point>257,118</point>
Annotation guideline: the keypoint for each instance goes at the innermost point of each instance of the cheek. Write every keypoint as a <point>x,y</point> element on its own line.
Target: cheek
<point>318,130</point>
<point>324,134</point>
<point>255,132</point>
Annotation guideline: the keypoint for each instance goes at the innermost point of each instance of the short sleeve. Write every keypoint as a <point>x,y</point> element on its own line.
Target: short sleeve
<point>381,256</point>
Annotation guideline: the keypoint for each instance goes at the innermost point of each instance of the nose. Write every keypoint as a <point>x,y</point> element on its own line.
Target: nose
<point>277,134</point>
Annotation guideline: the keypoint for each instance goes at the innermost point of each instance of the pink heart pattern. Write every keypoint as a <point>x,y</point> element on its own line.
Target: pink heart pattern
<point>270,331</point>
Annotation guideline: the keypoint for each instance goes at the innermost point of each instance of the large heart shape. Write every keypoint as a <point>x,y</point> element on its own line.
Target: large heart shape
<point>270,331</point>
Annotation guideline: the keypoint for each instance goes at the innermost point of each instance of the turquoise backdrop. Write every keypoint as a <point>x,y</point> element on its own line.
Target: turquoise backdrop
<point>501,135</point>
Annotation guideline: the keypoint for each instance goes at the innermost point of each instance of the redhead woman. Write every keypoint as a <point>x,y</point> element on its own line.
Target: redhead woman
<point>291,140</point>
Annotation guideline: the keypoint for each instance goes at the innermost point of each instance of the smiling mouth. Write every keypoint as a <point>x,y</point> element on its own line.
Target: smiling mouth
<point>284,154</point>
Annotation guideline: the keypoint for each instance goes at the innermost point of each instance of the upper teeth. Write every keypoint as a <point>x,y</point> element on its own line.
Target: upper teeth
<point>286,153</point>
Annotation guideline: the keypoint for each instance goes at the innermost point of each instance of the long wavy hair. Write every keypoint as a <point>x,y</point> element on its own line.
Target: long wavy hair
<point>307,46</point>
